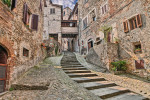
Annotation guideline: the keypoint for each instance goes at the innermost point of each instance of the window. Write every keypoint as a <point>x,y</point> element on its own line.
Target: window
<point>137,48</point>
<point>139,64</point>
<point>52,11</point>
<point>64,13</point>
<point>134,22</point>
<point>25,52</point>
<point>85,23</point>
<point>98,41</point>
<point>85,1</point>
<point>104,9</point>
<point>29,19</point>
<point>93,16</point>
<point>14,3</point>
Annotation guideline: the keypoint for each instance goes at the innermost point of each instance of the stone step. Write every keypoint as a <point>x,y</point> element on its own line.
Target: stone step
<point>71,66</point>
<point>101,86</point>
<point>82,75</point>
<point>128,96</point>
<point>75,68</point>
<point>78,71</point>
<point>88,79</point>
<point>105,93</point>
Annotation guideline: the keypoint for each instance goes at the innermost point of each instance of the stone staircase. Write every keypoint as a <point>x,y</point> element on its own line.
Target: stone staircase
<point>94,83</point>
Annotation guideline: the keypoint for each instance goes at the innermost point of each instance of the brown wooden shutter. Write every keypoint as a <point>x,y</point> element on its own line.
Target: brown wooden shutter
<point>139,64</point>
<point>139,20</point>
<point>34,23</point>
<point>25,13</point>
<point>125,24</point>
<point>102,10</point>
<point>40,7</point>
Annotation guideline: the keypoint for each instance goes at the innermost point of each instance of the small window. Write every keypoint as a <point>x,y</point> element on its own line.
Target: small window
<point>14,3</point>
<point>137,48</point>
<point>85,23</point>
<point>29,19</point>
<point>104,9</point>
<point>85,1</point>
<point>139,64</point>
<point>52,11</point>
<point>25,52</point>
<point>64,13</point>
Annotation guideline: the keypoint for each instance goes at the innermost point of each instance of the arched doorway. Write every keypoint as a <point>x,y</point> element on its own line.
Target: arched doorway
<point>3,68</point>
<point>90,44</point>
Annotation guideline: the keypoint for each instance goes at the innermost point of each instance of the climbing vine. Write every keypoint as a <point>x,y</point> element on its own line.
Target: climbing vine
<point>106,29</point>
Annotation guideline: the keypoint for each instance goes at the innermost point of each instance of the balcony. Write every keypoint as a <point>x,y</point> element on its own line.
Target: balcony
<point>69,28</point>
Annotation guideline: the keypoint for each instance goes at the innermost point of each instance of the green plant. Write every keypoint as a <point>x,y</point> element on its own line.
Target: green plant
<point>117,40</point>
<point>56,49</point>
<point>11,89</point>
<point>106,30</point>
<point>119,66</point>
<point>7,2</point>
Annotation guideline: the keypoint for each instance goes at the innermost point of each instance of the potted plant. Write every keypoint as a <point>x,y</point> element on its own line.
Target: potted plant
<point>7,2</point>
<point>117,40</point>
<point>119,67</point>
<point>138,50</point>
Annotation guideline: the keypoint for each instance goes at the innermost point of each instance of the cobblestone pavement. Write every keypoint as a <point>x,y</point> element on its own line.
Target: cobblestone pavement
<point>135,85</point>
<point>60,87</point>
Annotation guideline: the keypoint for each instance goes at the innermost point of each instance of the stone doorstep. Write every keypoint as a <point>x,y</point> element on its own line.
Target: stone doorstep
<point>3,93</point>
<point>28,87</point>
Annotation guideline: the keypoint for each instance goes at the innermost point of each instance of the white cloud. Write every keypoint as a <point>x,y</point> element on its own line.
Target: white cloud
<point>65,3</point>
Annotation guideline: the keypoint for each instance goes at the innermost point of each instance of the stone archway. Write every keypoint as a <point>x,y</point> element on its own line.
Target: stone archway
<point>3,68</point>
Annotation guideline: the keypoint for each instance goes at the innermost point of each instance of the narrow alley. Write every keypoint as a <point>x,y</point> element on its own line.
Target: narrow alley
<point>74,50</point>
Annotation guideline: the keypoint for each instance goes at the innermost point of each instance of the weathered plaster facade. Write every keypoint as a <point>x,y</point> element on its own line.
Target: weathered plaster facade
<point>114,16</point>
<point>15,35</point>
<point>52,20</point>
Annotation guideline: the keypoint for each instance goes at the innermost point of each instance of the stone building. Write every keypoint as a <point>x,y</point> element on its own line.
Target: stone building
<point>66,13</point>
<point>52,21</point>
<point>112,30</point>
<point>63,31</point>
<point>21,27</point>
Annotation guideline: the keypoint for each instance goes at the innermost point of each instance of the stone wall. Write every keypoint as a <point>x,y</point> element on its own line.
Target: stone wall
<point>15,35</point>
<point>117,13</point>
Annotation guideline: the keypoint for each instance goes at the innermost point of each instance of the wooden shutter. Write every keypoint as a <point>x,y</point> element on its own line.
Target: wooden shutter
<point>53,10</point>
<point>25,13</point>
<point>102,10</point>
<point>139,64</point>
<point>34,23</point>
<point>40,8</point>
<point>105,8</point>
<point>139,20</point>
<point>125,24</point>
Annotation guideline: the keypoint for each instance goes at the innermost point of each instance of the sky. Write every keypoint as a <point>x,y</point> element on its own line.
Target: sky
<point>65,3</point>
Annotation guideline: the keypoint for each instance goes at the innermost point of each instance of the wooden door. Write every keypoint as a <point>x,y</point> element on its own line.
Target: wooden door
<point>3,68</point>
<point>3,71</point>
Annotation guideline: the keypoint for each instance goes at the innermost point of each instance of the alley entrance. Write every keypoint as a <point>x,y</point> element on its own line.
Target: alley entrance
<point>3,68</point>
